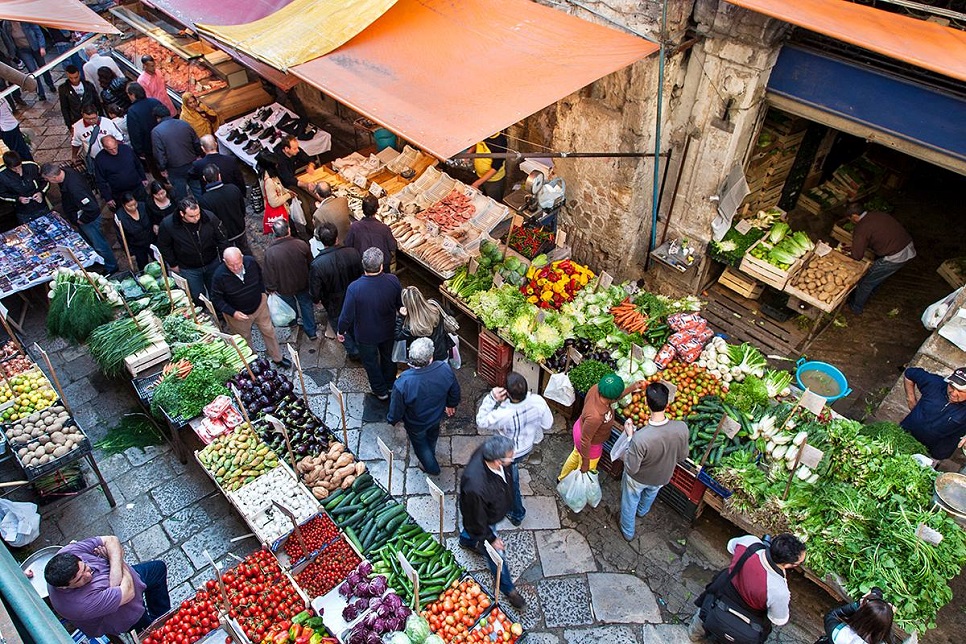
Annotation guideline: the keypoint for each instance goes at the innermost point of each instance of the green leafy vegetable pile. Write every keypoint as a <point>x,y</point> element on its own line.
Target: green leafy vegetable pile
<point>587,374</point>
<point>734,245</point>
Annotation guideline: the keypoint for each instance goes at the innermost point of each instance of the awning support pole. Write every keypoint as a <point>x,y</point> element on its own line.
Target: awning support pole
<point>53,63</point>
<point>656,180</point>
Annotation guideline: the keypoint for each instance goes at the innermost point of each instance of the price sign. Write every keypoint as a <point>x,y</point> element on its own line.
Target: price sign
<point>376,190</point>
<point>359,180</point>
<point>473,266</point>
<point>437,494</point>
<point>672,389</point>
<point>298,368</point>
<point>637,353</point>
<point>541,316</point>
<point>279,428</point>
<point>606,279</point>
<point>3,311</point>
<point>813,402</point>
<point>929,535</point>
<point>822,249</point>
<point>743,226</point>
<point>497,279</point>
<point>517,221</point>
<point>729,426</point>
<point>498,561</point>
<point>180,282</point>
<point>386,454</point>
<point>574,355</point>
<point>156,253</point>
<point>561,238</point>
<point>412,575</point>
<point>345,430</point>
<point>810,456</point>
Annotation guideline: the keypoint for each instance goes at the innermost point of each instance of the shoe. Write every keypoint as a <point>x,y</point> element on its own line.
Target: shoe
<point>516,600</point>
<point>253,148</point>
<point>308,134</point>
<point>472,546</point>
<point>381,397</point>
<point>626,538</point>
<point>516,522</point>
<point>284,363</point>
<point>313,337</point>
<point>268,133</point>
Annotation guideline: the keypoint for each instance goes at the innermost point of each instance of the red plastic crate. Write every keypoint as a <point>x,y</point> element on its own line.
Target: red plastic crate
<point>494,352</point>
<point>491,375</point>
<point>687,483</point>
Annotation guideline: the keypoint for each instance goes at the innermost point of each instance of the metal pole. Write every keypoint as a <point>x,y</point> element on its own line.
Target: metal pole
<point>515,156</point>
<point>50,65</point>
<point>656,180</point>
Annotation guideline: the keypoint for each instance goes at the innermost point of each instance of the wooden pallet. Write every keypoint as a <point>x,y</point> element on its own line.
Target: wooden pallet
<point>949,273</point>
<point>743,321</point>
<point>741,284</point>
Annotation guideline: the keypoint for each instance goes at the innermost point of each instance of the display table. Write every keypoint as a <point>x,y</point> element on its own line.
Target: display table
<point>320,143</point>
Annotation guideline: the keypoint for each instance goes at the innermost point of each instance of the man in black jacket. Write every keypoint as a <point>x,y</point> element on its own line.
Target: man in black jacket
<point>140,121</point>
<point>175,146</point>
<point>485,498</point>
<point>23,187</point>
<point>228,165</point>
<point>80,207</point>
<point>74,94</point>
<point>333,269</point>
<point>189,241</point>
<point>226,202</point>
<point>118,170</point>
<point>238,293</point>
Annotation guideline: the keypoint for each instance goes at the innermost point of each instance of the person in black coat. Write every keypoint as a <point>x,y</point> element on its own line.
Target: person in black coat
<point>190,241</point>
<point>485,497</point>
<point>228,166</point>
<point>331,272</point>
<point>141,121</point>
<point>226,202</point>
<point>74,94</point>
<point>136,224</point>
<point>118,170</point>
<point>113,88</point>
<point>80,207</point>
<point>23,187</point>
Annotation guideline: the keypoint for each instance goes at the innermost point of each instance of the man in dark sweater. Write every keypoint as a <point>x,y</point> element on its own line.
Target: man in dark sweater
<point>189,241</point>
<point>369,232</point>
<point>176,146</point>
<point>287,262</point>
<point>330,274</point>
<point>227,203</point>
<point>74,94</point>
<point>141,121</point>
<point>420,397</point>
<point>227,165</point>
<point>485,497</point>
<point>650,459</point>
<point>80,207</point>
<point>22,186</point>
<point>118,170</point>
<point>369,312</point>
<point>238,293</point>
<point>887,239</point>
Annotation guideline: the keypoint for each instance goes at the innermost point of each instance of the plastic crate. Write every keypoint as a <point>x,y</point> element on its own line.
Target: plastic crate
<point>686,481</point>
<point>493,376</point>
<point>713,485</point>
<point>614,468</point>
<point>679,502</point>
<point>493,351</point>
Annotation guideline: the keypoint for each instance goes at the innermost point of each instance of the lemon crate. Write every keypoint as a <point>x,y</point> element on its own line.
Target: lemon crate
<point>28,387</point>
<point>766,272</point>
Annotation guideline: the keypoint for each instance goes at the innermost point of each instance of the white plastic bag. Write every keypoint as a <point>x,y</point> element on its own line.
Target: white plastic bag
<point>399,352</point>
<point>20,524</point>
<point>559,389</point>
<point>295,211</point>
<point>935,312</point>
<point>620,446</point>
<point>282,314</point>
<point>580,488</point>
<point>455,360</point>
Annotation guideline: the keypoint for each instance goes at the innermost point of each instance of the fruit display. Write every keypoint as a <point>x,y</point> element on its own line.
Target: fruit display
<point>259,594</point>
<point>316,533</point>
<point>332,470</point>
<point>255,501</point>
<point>550,286</point>
<point>307,434</point>
<point>29,392</point>
<point>328,568</point>
<point>692,383</point>
<point>825,278</point>
<point>437,566</point>
<point>237,458</point>
<point>13,365</point>
<point>301,629</point>
<point>45,436</point>
<point>456,611</point>
<point>193,620</point>
<point>495,627</point>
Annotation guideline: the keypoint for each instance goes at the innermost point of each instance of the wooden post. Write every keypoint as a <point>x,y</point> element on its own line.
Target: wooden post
<point>296,530</point>
<point>241,405</point>
<point>345,430</point>
<point>437,494</point>
<point>298,367</point>
<point>69,254</point>
<point>798,459</point>
<point>388,456</point>
<point>231,341</point>
<point>498,561</point>
<point>127,250</point>
<point>515,222</point>
<point>53,375</point>
<point>164,273</point>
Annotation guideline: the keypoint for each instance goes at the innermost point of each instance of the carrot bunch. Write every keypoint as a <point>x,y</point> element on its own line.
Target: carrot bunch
<point>181,368</point>
<point>628,317</point>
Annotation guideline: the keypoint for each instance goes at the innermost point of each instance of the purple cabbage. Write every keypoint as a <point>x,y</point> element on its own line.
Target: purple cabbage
<point>362,590</point>
<point>345,589</point>
<point>378,585</point>
<point>394,601</point>
<point>349,613</point>
<point>366,569</point>
<point>375,603</point>
<point>361,604</point>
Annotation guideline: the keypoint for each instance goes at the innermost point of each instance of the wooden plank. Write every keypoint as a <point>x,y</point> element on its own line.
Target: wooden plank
<point>949,273</point>
<point>740,284</point>
<point>766,272</point>
<point>747,324</point>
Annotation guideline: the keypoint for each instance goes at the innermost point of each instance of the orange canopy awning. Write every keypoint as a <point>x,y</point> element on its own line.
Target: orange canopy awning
<point>445,74</point>
<point>922,43</point>
<point>61,14</point>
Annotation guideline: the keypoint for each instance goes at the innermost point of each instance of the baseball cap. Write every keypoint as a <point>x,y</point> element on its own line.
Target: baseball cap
<point>958,379</point>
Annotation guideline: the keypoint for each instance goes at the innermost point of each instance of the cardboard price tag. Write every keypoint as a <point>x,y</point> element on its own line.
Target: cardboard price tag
<point>822,249</point>
<point>3,311</point>
<point>517,221</point>
<point>606,279</point>
<point>407,567</point>
<point>295,356</point>
<point>729,426</point>
<point>574,355</point>
<point>359,180</point>
<point>637,353</point>
<point>743,226</point>
<point>335,391</point>
<point>929,535</point>
<point>494,555</point>
<point>434,490</point>
<point>541,316</point>
<point>376,190</point>
<point>813,402</point>
<point>474,266</point>
<point>497,280</point>
<point>156,252</point>
<point>180,282</point>
<point>384,450</point>
<point>810,456</point>
<point>561,238</point>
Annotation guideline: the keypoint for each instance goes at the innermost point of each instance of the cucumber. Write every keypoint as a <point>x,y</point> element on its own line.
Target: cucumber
<point>333,501</point>
<point>395,522</point>
<point>351,536</point>
<point>347,509</point>
<point>385,516</point>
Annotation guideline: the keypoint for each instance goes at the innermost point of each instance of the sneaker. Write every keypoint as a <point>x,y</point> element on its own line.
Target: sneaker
<point>313,337</point>
<point>284,363</point>
<point>515,521</point>
<point>516,600</point>
<point>382,397</point>
<point>472,546</point>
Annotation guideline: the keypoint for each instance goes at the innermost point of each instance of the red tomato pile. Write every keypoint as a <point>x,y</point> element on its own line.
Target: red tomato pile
<point>495,627</point>
<point>693,382</point>
<point>259,594</point>
<point>329,569</point>
<point>196,618</point>
<point>454,613</point>
<point>317,532</point>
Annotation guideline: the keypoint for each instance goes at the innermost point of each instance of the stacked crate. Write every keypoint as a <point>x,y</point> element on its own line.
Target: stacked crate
<point>773,157</point>
<point>850,182</point>
<point>495,359</point>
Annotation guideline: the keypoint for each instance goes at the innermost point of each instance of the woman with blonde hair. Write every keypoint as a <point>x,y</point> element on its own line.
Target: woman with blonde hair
<point>199,116</point>
<point>422,318</point>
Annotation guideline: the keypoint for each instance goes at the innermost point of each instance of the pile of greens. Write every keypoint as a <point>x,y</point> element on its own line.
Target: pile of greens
<point>133,430</point>
<point>749,395</point>
<point>587,374</point>
<point>734,245</point>
<point>76,309</point>
<point>895,436</point>
<point>185,398</point>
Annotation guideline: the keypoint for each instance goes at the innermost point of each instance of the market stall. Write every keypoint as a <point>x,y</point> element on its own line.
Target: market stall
<point>263,129</point>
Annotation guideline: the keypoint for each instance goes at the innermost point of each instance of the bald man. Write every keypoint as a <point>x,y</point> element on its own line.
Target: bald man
<point>96,60</point>
<point>227,165</point>
<point>238,293</point>
<point>331,209</point>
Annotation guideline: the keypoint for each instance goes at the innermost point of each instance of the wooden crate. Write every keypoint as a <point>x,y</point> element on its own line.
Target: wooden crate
<point>146,358</point>
<point>838,299</point>
<point>769,273</point>
<point>741,284</point>
<point>841,234</point>
<point>947,270</point>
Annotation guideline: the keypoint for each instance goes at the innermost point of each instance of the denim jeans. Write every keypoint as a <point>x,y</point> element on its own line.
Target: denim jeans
<point>199,279</point>
<point>74,59</point>
<point>14,140</point>
<point>506,582</point>
<point>636,499</point>
<point>517,511</point>
<point>305,308</point>
<point>377,360</point>
<point>33,61</point>
<point>424,447</point>
<point>880,270</point>
<point>178,178</point>
<point>95,237</point>
<point>154,574</point>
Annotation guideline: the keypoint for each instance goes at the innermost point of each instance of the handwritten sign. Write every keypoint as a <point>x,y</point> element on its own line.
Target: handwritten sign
<point>494,555</point>
<point>606,279</point>
<point>474,266</point>
<point>743,226</point>
<point>434,490</point>
<point>574,355</point>
<point>345,428</point>
<point>729,426</point>
<point>541,316</point>
<point>497,279</point>
<point>561,238</point>
<point>813,402</point>
<point>3,311</point>
<point>637,353</point>
<point>156,253</point>
<point>929,535</point>
<point>335,391</point>
<point>359,180</point>
<point>407,567</point>
<point>517,221</point>
<point>376,190</point>
<point>810,456</point>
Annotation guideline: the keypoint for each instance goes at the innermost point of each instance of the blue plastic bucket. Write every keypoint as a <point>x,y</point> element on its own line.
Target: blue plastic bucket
<point>384,139</point>
<point>829,370</point>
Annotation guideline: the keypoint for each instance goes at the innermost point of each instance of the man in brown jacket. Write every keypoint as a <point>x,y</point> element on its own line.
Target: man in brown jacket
<point>287,262</point>
<point>887,239</point>
<point>650,458</point>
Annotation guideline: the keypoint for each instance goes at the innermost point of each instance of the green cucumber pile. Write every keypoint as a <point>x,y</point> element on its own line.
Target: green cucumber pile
<point>435,564</point>
<point>364,515</point>
<point>702,425</point>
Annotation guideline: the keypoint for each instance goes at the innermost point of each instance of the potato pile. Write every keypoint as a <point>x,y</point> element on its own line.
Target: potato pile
<point>44,436</point>
<point>824,278</point>
<point>330,471</point>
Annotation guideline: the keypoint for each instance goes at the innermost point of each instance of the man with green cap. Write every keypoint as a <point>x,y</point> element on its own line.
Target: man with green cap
<point>593,427</point>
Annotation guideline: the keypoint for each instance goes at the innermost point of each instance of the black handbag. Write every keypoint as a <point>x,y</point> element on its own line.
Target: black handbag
<point>727,621</point>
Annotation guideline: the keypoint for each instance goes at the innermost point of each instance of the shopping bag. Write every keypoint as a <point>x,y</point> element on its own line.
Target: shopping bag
<point>575,490</point>
<point>455,360</point>
<point>399,353</point>
<point>620,446</point>
<point>559,389</point>
<point>282,314</point>
<point>20,523</point>
<point>933,316</point>
<point>593,489</point>
<point>295,211</point>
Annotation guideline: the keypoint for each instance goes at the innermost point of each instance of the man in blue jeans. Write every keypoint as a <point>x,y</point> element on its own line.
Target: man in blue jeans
<point>485,497</point>
<point>650,458</point>
<point>91,586</point>
<point>888,240</point>
<point>286,273</point>
<point>420,397</point>
<point>80,207</point>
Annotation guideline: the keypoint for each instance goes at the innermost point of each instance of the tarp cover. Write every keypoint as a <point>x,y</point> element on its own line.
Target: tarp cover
<point>217,12</point>
<point>445,74</point>
<point>919,42</point>
<point>61,14</point>
<point>300,31</point>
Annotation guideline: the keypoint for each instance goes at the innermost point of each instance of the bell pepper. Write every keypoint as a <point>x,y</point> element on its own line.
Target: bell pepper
<point>301,617</point>
<point>315,623</point>
<point>294,632</point>
<point>316,639</point>
<point>283,625</point>
<point>280,638</point>
<point>303,639</point>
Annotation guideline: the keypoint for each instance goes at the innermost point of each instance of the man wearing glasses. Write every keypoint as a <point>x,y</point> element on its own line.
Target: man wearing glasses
<point>92,587</point>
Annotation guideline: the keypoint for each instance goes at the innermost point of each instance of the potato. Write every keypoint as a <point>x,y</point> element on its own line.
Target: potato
<point>50,447</point>
<point>60,451</point>
<point>58,437</point>
<point>44,439</point>
<point>69,444</point>
<point>55,427</point>
<point>44,459</point>
<point>23,451</point>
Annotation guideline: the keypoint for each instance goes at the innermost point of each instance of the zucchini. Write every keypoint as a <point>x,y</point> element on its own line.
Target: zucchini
<point>347,509</point>
<point>351,536</point>
<point>385,516</point>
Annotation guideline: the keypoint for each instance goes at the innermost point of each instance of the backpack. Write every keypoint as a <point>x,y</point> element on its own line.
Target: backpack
<point>726,621</point>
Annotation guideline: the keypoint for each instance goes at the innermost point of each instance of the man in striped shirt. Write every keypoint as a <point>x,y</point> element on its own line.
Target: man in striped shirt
<point>522,417</point>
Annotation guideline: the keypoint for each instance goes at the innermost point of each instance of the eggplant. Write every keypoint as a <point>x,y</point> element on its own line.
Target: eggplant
<point>263,401</point>
<point>269,374</point>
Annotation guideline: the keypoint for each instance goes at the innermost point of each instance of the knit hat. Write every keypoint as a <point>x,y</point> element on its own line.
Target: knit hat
<point>611,386</point>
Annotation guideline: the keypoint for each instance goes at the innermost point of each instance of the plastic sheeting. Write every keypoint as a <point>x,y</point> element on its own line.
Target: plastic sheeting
<point>61,14</point>
<point>919,42</point>
<point>300,31</point>
<point>217,12</point>
<point>445,74</point>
